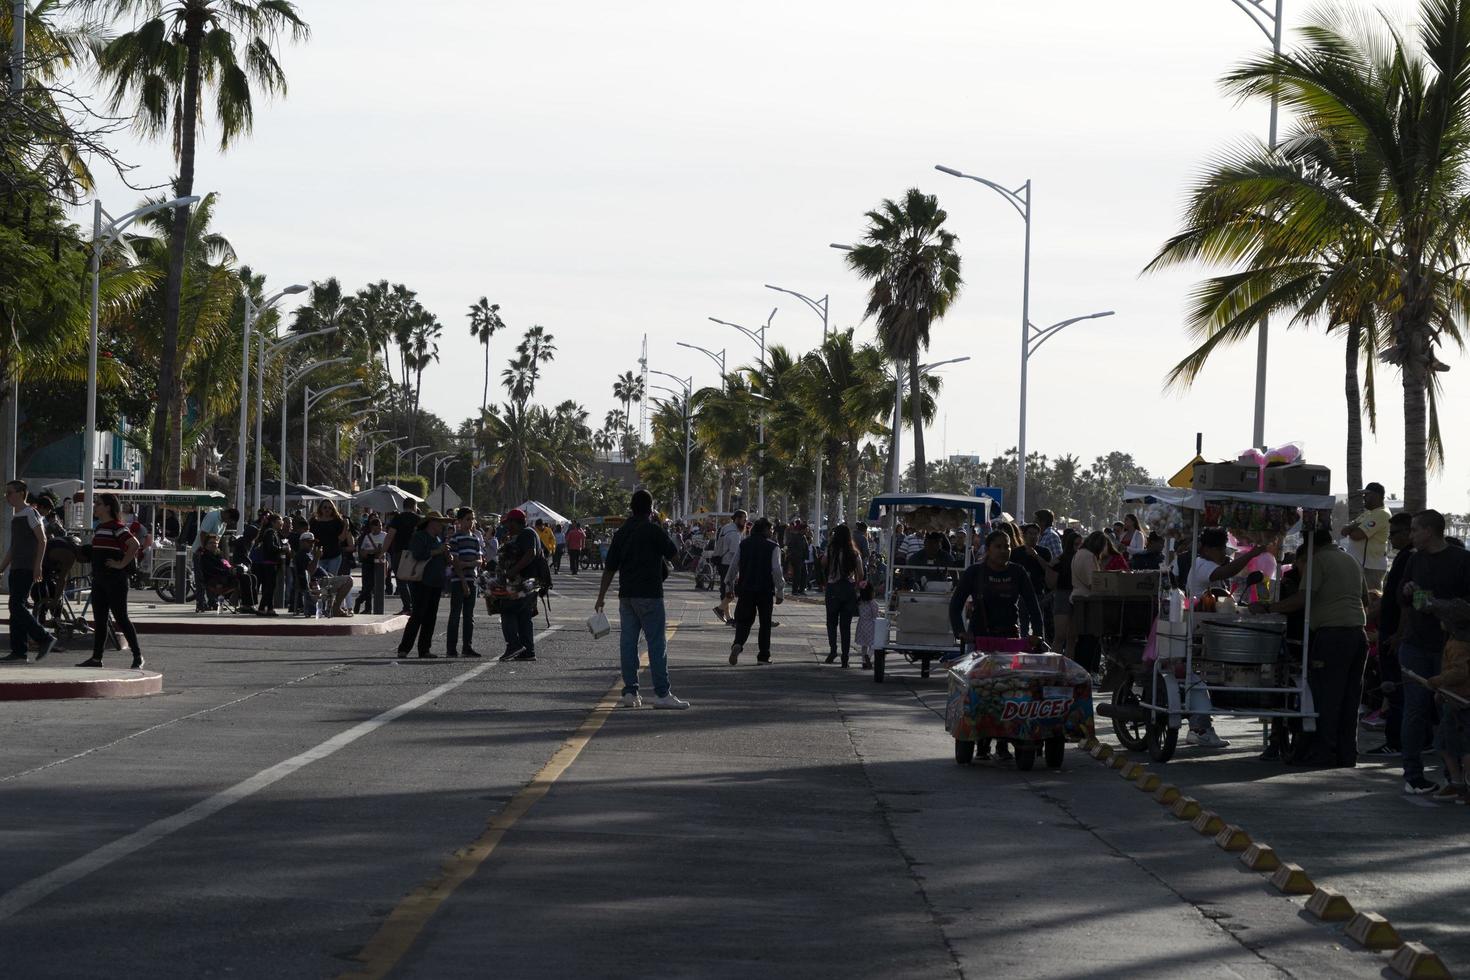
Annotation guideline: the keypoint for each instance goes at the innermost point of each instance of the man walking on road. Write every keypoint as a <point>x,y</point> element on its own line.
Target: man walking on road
<point>756,578</point>
<point>576,541</point>
<point>727,554</point>
<point>637,554</point>
<point>25,558</point>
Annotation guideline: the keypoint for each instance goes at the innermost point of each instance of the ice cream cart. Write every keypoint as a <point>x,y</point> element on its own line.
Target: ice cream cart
<point>916,622</point>
<point>1037,701</point>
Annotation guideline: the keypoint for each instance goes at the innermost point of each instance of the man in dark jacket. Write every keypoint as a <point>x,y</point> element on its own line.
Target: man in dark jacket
<point>522,560</point>
<point>637,554</point>
<point>757,583</point>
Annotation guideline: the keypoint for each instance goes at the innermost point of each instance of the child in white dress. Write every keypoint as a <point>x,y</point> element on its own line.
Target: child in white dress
<point>867,616</point>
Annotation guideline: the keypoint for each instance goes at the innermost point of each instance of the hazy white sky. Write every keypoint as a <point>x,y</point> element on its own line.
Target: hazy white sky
<point>610,170</point>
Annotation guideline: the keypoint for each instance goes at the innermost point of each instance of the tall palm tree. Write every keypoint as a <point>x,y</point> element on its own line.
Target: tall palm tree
<point>485,322</point>
<point>537,347</point>
<point>910,260</point>
<point>163,67</point>
<point>423,350</point>
<point>628,389</point>
<point>1401,103</point>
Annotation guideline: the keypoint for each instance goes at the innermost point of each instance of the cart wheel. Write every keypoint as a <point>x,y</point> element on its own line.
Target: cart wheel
<point>165,591</point>
<point>1025,757</point>
<point>1056,748</point>
<point>964,751</point>
<point>1159,738</point>
<point>1132,735</point>
<point>878,657</point>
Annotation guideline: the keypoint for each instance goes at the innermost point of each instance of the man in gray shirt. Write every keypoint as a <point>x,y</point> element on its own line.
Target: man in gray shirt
<point>25,559</point>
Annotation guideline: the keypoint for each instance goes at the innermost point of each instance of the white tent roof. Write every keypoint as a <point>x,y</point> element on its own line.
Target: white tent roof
<point>535,509</point>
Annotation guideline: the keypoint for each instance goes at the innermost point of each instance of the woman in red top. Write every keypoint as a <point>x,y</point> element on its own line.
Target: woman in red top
<point>113,551</point>
<point>576,541</point>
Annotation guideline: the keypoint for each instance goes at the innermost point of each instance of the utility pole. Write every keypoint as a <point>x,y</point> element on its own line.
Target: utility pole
<point>10,416</point>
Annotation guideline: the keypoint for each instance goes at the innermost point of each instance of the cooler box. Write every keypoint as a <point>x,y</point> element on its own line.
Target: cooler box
<point>1302,478</point>
<point>1227,476</point>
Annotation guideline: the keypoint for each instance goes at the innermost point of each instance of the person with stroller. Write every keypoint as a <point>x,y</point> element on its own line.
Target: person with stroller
<point>114,549</point>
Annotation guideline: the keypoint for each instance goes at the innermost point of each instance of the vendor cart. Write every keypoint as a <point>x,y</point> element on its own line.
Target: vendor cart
<point>1037,701</point>
<point>916,624</point>
<point>1224,662</point>
<point>1118,624</point>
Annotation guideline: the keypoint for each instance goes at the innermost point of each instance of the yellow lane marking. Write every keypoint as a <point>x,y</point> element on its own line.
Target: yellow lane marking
<point>406,922</point>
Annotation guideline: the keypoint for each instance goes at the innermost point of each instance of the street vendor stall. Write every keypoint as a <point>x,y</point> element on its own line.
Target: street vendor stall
<point>1211,657</point>
<point>917,624</point>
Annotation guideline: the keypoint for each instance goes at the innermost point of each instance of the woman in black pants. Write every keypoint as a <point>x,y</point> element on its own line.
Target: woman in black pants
<point>427,546</point>
<point>113,550</point>
<point>267,554</point>
<point>841,568</point>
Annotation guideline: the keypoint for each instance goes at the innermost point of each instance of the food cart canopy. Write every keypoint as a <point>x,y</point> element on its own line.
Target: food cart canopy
<point>956,501</point>
<point>385,498</point>
<point>168,498</point>
<point>534,509</point>
<point>1197,499</point>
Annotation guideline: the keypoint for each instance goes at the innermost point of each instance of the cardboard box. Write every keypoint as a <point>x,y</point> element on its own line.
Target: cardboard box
<point>1227,476</point>
<point>1125,583</point>
<point>1299,478</point>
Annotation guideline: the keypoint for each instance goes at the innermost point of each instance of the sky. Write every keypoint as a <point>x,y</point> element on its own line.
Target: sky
<point>616,170</point>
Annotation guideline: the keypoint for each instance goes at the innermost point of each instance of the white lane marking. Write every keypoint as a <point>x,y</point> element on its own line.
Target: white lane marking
<point>29,893</point>
<point>166,724</point>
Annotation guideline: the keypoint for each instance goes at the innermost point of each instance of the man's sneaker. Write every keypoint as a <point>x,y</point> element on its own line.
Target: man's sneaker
<point>1207,739</point>
<point>512,654</point>
<point>47,645</point>
<point>91,662</point>
<point>15,658</point>
<point>1419,786</point>
<point>763,658</point>
<point>670,700</point>
<point>1448,792</point>
<point>1382,752</point>
<point>735,649</point>
<point>470,653</point>
<point>526,656</point>
<point>632,700</point>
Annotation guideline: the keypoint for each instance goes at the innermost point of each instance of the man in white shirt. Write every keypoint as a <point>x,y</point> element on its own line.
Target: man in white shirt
<point>1367,537</point>
<point>727,556</point>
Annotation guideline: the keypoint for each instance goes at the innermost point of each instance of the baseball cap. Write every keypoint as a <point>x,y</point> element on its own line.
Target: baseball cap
<point>515,514</point>
<point>1375,486</point>
<point>307,536</point>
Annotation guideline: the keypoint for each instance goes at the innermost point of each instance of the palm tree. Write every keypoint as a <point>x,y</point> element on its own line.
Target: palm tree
<point>423,350</point>
<point>485,321</point>
<point>845,399</point>
<point>628,389</point>
<point>175,51</point>
<point>537,347</point>
<point>1247,212</point>
<point>914,271</point>
<point>1401,104</point>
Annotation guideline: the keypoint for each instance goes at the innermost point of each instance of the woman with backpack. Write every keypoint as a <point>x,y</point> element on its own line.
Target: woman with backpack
<point>841,570</point>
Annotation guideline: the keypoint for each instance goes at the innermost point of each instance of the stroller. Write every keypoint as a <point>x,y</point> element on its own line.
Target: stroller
<point>65,594</point>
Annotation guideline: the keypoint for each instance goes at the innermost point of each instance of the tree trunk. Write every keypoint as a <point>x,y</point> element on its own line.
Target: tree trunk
<point>163,459</point>
<point>485,395</point>
<point>921,474</point>
<point>853,462</point>
<point>1354,419</point>
<point>1416,440</point>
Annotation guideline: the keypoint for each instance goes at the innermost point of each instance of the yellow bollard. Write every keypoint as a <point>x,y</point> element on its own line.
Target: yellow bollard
<point>1290,879</point>
<point>1329,905</point>
<point>1260,857</point>
<point>1148,782</point>
<point>1208,823</point>
<point>1372,931</point>
<point>1418,962</point>
<point>1167,794</point>
<point>1185,808</point>
<point>1232,839</point>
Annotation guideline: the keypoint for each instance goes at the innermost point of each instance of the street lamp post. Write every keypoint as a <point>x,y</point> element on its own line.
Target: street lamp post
<point>1269,23</point>
<point>103,236</point>
<point>688,384</point>
<point>252,312</point>
<point>266,352</point>
<point>1020,199</point>
<point>759,337</point>
<point>719,358</point>
<point>373,459</point>
<point>897,469</point>
<point>821,308</point>
<point>309,399</point>
<point>287,380</point>
<point>398,459</point>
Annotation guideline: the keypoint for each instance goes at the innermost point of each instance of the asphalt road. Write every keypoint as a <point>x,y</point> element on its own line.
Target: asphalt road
<point>310,808</point>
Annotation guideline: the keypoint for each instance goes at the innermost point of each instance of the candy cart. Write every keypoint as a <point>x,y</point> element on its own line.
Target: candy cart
<point>916,622</point>
<point>1039,701</point>
<point>1216,658</point>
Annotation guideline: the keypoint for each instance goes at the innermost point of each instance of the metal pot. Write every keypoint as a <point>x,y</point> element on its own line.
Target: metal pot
<point>1243,642</point>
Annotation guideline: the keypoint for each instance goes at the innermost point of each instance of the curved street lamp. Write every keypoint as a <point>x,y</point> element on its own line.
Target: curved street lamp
<point>103,236</point>
<point>267,351</point>
<point>757,337</point>
<point>252,312</point>
<point>688,384</point>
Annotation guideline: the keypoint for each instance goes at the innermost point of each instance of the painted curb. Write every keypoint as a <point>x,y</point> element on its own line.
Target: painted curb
<point>67,686</point>
<point>1418,962</point>
<point>1372,931</point>
<point>1290,879</point>
<point>1330,905</point>
<point>1260,857</point>
<point>228,626</point>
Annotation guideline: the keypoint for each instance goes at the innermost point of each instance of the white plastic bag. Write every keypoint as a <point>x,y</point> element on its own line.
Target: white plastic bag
<point>598,625</point>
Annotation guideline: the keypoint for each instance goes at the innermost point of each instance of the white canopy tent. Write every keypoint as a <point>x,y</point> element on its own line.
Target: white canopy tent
<point>535,509</point>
